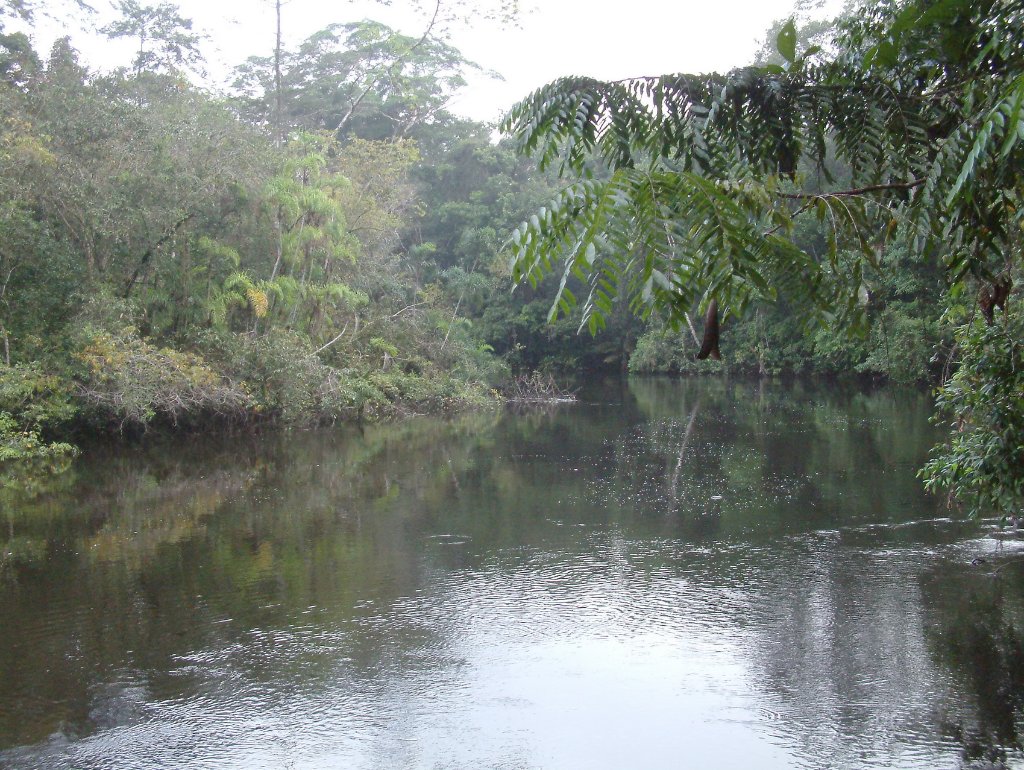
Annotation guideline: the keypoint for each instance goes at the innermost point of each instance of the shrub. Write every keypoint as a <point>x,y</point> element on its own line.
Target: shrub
<point>903,347</point>
<point>126,381</point>
<point>17,444</point>
<point>983,403</point>
<point>660,350</point>
<point>284,377</point>
<point>34,399</point>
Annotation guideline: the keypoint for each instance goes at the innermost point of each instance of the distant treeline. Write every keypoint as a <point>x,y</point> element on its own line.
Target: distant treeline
<point>323,243</point>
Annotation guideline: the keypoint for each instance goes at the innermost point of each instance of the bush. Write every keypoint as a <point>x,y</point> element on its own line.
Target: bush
<point>34,399</point>
<point>31,402</point>
<point>903,347</point>
<point>983,403</point>
<point>660,350</point>
<point>400,392</point>
<point>284,377</point>
<point>126,381</point>
<point>17,444</point>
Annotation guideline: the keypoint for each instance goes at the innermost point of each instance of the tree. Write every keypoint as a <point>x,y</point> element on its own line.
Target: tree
<point>27,11</point>
<point>361,78</point>
<point>707,175</point>
<point>165,37</point>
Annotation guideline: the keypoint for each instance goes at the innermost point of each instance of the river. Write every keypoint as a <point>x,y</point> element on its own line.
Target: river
<point>667,574</point>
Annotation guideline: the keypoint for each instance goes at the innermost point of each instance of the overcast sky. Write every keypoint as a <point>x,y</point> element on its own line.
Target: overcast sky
<point>558,37</point>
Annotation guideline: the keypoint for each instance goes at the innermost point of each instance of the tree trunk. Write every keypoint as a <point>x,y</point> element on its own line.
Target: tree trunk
<point>278,118</point>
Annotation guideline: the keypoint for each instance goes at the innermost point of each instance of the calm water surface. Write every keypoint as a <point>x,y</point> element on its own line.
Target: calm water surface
<point>666,575</point>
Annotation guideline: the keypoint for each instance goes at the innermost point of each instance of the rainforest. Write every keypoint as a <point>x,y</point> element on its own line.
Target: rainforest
<point>668,419</point>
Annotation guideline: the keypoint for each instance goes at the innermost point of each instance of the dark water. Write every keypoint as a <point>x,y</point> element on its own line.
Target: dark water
<point>668,575</point>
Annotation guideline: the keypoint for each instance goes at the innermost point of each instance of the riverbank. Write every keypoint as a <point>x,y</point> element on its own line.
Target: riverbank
<point>118,383</point>
<point>121,386</point>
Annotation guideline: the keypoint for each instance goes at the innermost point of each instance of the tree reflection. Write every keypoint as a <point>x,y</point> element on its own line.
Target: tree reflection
<point>764,452</point>
<point>978,634</point>
<point>342,570</point>
<point>185,545</point>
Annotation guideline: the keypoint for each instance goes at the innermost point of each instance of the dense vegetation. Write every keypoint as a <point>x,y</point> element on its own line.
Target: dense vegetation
<point>903,137</point>
<point>311,247</point>
<point>324,240</point>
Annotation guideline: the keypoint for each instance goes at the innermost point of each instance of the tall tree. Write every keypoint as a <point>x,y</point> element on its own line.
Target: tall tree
<point>165,38</point>
<point>361,78</point>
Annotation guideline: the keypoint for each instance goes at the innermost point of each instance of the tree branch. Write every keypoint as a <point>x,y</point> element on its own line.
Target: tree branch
<point>148,254</point>
<point>340,335</point>
<point>400,61</point>
<point>858,191</point>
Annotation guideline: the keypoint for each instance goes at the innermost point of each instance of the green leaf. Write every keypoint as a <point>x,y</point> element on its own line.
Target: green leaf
<point>885,55</point>
<point>786,41</point>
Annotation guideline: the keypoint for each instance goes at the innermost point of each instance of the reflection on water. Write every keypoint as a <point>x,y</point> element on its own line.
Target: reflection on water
<point>695,574</point>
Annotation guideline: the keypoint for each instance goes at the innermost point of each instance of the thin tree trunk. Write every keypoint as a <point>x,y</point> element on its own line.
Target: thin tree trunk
<point>693,332</point>
<point>138,70</point>
<point>278,142</point>
<point>3,302</point>
<point>340,335</point>
<point>7,344</point>
<point>278,118</point>
<point>147,255</point>
<point>449,329</point>
<point>279,229</point>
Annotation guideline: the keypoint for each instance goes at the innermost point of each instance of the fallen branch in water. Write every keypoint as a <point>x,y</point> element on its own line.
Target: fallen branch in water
<point>536,388</point>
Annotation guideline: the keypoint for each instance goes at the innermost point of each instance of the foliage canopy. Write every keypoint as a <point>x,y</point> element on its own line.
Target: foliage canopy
<point>687,187</point>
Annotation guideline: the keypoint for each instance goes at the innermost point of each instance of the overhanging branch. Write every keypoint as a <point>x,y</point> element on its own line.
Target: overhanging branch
<point>857,191</point>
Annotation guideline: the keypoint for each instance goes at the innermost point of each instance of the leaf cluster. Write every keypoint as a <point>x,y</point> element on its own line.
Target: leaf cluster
<point>683,187</point>
<point>983,406</point>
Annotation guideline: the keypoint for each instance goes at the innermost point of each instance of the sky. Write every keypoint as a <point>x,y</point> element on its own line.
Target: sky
<point>601,38</point>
